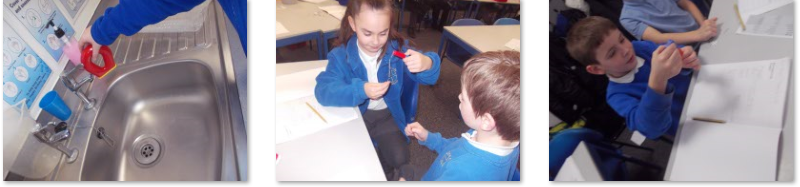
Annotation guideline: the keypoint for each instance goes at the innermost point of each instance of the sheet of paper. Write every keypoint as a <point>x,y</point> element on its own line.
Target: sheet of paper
<point>296,85</point>
<point>750,93</point>
<point>336,11</point>
<point>760,6</point>
<point>750,97</point>
<point>725,152</point>
<point>304,116</point>
<point>280,29</point>
<point>513,44</point>
<point>776,20</point>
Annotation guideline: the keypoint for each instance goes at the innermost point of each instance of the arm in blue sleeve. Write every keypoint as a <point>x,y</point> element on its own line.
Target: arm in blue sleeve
<point>430,76</point>
<point>650,115</point>
<point>130,16</point>
<point>436,142</point>
<point>333,89</point>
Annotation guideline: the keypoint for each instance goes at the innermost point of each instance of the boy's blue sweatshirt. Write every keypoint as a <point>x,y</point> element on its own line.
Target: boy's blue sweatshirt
<point>458,160</point>
<point>130,16</point>
<point>644,110</point>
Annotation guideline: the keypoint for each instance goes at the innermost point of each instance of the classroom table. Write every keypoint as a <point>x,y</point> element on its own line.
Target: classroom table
<point>478,39</point>
<point>305,21</point>
<point>340,153</point>
<point>477,4</point>
<point>732,47</point>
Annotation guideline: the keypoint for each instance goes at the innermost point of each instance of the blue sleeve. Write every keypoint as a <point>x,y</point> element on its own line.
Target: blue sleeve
<point>130,16</point>
<point>436,142</point>
<point>236,10</point>
<point>650,115</point>
<point>644,48</point>
<point>335,89</point>
<point>430,76</point>
<point>628,19</point>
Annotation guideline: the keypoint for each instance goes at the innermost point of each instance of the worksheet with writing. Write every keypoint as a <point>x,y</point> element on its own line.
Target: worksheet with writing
<point>750,97</point>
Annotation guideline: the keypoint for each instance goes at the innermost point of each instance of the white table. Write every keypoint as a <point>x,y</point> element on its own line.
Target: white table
<point>305,21</point>
<point>731,47</point>
<point>478,39</point>
<point>477,4</point>
<point>340,153</point>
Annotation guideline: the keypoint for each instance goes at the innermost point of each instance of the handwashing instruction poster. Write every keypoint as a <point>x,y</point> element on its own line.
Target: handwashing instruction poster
<point>24,73</point>
<point>72,6</point>
<point>37,16</point>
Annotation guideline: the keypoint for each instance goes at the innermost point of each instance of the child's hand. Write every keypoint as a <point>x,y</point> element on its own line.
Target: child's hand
<point>666,63</point>
<point>415,129</point>
<point>417,62</point>
<point>690,59</point>
<point>376,90</point>
<point>707,30</point>
<point>86,38</point>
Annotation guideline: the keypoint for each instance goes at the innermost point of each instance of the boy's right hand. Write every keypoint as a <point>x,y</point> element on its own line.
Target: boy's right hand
<point>87,38</point>
<point>666,63</point>
<point>417,131</point>
<point>376,90</point>
<point>707,30</point>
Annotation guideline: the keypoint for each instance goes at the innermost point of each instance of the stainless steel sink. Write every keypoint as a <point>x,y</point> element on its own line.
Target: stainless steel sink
<point>169,111</point>
<point>178,112</point>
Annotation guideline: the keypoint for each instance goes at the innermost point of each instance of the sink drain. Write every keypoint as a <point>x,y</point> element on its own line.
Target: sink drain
<point>147,150</point>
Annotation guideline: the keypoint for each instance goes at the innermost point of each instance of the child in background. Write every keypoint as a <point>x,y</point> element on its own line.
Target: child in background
<point>662,20</point>
<point>490,106</point>
<point>358,75</point>
<point>644,82</point>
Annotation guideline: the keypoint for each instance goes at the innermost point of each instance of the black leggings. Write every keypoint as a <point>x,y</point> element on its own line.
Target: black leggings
<point>392,146</point>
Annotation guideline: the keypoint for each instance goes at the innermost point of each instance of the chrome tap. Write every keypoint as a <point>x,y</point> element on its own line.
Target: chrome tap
<point>75,86</point>
<point>52,134</point>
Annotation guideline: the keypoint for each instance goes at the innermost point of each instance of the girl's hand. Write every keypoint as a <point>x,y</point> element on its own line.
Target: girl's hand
<point>417,62</point>
<point>376,90</point>
<point>690,59</point>
<point>86,38</point>
<point>417,131</point>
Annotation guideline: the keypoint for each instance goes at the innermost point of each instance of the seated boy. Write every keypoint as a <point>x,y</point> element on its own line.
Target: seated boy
<point>644,82</point>
<point>490,107</point>
<point>662,20</point>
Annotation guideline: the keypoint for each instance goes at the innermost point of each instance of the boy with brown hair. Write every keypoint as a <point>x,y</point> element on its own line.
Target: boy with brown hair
<point>644,82</point>
<point>490,88</point>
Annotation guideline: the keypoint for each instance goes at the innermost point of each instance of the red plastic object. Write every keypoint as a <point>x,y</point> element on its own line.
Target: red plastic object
<point>108,59</point>
<point>399,54</point>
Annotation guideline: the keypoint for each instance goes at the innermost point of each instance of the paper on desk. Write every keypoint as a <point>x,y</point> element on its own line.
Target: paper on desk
<point>304,116</point>
<point>280,29</point>
<point>336,11</point>
<point>296,85</point>
<point>750,97</point>
<point>725,152</point>
<point>767,18</point>
<point>513,44</point>
<point>760,6</point>
<point>749,93</point>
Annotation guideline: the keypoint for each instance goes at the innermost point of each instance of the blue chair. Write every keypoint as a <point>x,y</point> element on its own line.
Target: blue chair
<point>506,21</point>
<point>409,98</point>
<point>467,22</point>
<point>456,53</point>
